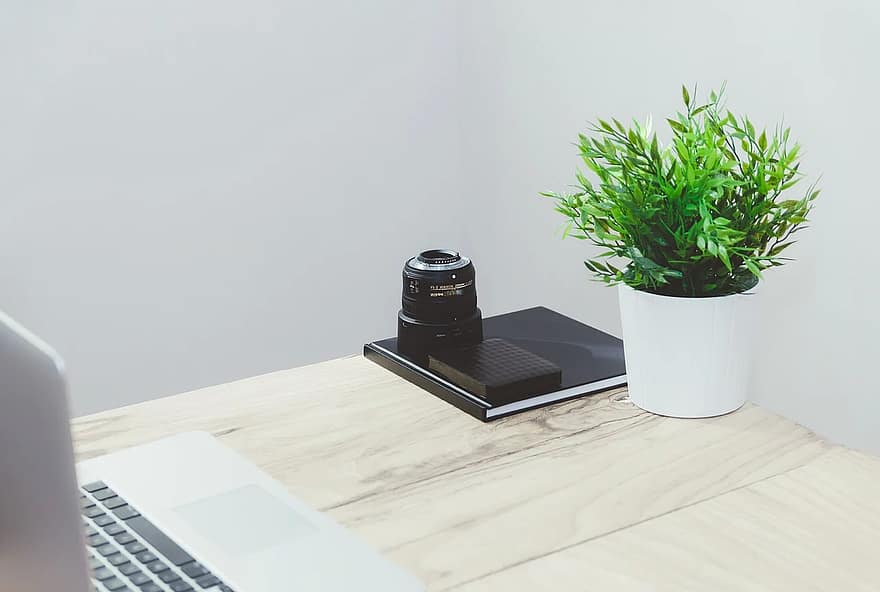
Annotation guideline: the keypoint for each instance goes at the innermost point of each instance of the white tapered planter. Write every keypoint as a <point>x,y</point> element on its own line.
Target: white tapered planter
<point>687,357</point>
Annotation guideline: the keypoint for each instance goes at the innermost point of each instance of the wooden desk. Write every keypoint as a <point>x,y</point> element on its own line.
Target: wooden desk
<point>588,495</point>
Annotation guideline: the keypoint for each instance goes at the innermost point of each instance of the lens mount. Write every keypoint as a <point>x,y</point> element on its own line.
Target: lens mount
<point>438,260</point>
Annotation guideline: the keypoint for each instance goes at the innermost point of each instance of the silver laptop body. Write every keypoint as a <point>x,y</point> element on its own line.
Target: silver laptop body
<point>179,514</point>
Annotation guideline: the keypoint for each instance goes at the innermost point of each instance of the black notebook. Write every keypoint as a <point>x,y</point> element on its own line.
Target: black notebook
<point>591,361</point>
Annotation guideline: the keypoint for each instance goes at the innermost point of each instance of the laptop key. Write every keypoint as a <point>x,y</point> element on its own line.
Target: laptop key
<point>151,587</point>
<point>90,531</point>
<point>94,562</point>
<point>129,569</point>
<point>102,573</point>
<point>123,538</point>
<point>106,550</point>
<point>135,548</point>
<point>168,576</point>
<point>117,560</point>
<point>225,588</point>
<point>180,586</point>
<point>126,512</point>
<point>104,520</point>
<point>114,529</point>
<point>113,584</point>
<point>140,579</point>
<point>93,512</point>
<point>208,581</point>
<point>146,557</point>
<point>103,494</point>
<point>194,570</point>
<point>157,567</point>
<point>159,540</point>
<point>96,540</point>
<point>93,487</point>
<point>111,503</point>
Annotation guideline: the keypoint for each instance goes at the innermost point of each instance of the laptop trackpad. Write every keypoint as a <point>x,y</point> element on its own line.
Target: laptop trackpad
<point>245,520</point>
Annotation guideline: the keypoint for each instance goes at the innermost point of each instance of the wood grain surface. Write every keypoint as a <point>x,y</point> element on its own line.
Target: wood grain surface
<point>592,494</point>
<point>816,527</point>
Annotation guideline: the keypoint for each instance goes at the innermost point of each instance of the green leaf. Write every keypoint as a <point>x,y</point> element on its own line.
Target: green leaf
<point>722,254</point>
<point>756,271</point>
<point>634,137</point>
<point>676,126</point>
<point>779,248</point>
<point>702,217</point>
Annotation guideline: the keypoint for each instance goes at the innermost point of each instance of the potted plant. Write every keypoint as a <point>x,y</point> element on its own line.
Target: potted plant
<point>695,221</point>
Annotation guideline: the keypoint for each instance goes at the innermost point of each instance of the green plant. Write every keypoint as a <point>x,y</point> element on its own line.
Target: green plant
<point>702,216</point>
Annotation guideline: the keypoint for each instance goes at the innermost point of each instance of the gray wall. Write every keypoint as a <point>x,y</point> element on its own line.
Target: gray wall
<point>200,191</point>
<point>533,73</point>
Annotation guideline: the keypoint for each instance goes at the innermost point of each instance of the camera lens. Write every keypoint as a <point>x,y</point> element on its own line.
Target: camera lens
<point>438,286</point>
<point>439,304</point>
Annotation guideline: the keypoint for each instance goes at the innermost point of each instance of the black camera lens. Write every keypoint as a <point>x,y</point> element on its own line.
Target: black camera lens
<point>439,304</point>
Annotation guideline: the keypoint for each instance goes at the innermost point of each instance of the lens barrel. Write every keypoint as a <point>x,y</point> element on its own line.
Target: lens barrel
<point>439,303</point>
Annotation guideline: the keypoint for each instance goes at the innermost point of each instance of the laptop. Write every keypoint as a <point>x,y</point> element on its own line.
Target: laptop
<point>182,514</point>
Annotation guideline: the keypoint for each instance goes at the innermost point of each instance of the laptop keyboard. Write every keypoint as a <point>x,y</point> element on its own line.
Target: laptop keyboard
<point>127,553</point>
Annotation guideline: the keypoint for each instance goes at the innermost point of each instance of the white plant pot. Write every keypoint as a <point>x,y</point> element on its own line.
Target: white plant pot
<point>686,357</point>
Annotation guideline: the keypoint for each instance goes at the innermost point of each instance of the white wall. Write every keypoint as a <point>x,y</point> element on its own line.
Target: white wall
<point>533,74</point>
<point>200,191</point>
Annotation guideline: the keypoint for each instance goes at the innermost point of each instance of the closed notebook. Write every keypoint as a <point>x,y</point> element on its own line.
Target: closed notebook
<point>590,361</point>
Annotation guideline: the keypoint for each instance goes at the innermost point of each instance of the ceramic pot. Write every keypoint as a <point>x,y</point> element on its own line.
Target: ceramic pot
<point>687,357</point>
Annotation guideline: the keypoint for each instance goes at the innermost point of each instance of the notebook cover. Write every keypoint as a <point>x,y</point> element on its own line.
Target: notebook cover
<point>591,361</point>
